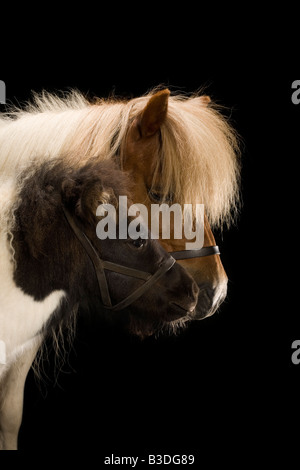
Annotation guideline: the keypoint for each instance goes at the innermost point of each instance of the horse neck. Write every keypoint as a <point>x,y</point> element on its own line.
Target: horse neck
<point>37,136</point>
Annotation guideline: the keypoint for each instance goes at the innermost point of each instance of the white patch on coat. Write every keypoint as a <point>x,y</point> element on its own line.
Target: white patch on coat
<point>21,317</point>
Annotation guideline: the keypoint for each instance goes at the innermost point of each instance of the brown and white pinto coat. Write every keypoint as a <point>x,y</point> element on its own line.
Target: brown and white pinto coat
<point>52,274</point>
<point>176,148</point>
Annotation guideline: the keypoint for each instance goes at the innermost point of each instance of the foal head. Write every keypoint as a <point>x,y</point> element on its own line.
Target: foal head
<point>49,255</point>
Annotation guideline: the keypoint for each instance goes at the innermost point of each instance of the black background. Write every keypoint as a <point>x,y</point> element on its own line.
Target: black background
<point>226,387</point>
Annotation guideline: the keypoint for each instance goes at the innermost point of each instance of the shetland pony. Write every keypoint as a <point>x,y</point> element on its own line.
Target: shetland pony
<point>177,149</point>
<point>56,256</point>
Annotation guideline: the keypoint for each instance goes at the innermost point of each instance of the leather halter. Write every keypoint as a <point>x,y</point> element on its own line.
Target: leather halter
<point>101,265</point>
<point>204,251</point>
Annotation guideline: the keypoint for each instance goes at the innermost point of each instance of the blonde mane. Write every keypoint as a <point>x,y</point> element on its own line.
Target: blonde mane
<point>199,157</point>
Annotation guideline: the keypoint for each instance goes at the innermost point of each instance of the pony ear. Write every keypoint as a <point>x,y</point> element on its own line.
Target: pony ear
<point>204,100</point>
<point>70,191</point>
<point>83,197</point>
<point>154,113</point>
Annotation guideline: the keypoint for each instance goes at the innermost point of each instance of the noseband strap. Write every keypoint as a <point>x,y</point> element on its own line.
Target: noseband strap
<point>205,251</point>
<point>101,265</point>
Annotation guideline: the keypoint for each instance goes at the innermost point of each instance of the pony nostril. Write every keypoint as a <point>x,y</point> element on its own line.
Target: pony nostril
<point>192,293</point>
<point>205,288</point>
<point>192,307</point>
<point>207,296</point>
<point>210,299</point>
<point>182,309</point>
<point>195,290</point>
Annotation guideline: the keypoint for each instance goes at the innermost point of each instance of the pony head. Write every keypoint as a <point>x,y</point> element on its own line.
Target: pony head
<point>49,256</point>
<point>182,150</point>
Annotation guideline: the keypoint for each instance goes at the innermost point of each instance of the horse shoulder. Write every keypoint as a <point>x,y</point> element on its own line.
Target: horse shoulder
<point>21,316</point>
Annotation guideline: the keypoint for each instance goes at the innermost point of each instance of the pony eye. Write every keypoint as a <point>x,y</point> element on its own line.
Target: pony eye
<point>157,196</point>
<point>138,243</point>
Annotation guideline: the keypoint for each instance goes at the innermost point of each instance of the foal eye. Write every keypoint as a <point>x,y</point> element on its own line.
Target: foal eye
<point>138,243</point>
<point>157,196</point>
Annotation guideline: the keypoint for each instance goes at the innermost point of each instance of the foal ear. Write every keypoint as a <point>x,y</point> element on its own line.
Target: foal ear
<point>92,196</point>
<point>83,197</point>
<point>154,113</point>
